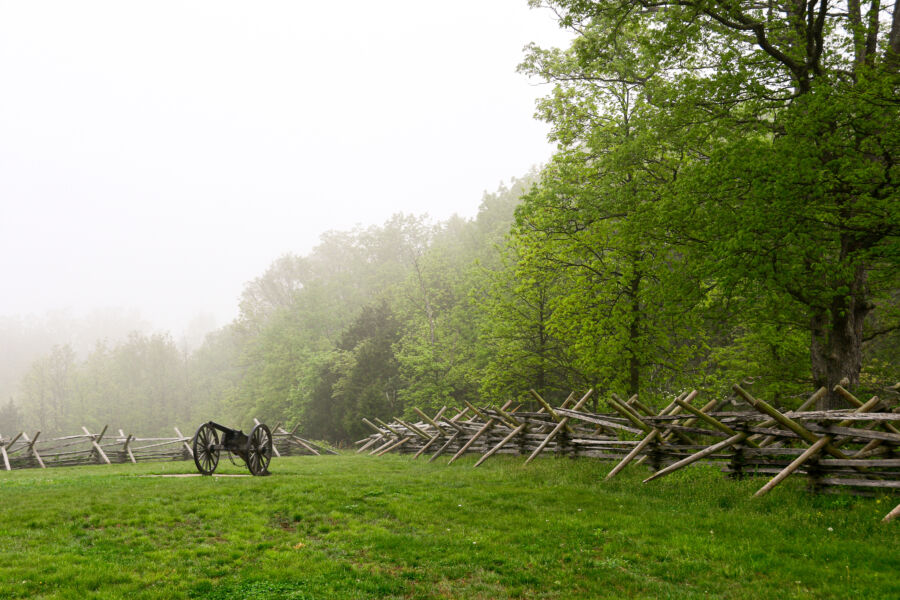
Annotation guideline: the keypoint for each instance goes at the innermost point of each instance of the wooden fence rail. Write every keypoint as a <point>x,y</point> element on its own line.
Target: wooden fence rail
<point>88,448</point>
<point>855,450</point>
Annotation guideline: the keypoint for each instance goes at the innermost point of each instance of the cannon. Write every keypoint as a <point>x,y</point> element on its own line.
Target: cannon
<point>256,450</point>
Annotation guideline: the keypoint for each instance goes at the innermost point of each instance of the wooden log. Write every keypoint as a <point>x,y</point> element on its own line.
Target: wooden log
<point>653,434</point>
<point>713,422</point>
<point>855,402</point>
<point>388,427</point>
<point>598,420</point>
<point>711,405</point>
<point>477,412</point>
<point>375,427</point>
<point>315,449</point>
<point>509,417</point>
<point>455,425</point>
<point>853,433</point>
<point>873,447</point>
<point>562,424</point>
<point>629,414</point>
<point>697,456</point>
<point>545,405</point>
<point>634,402</point>
<point>10,443</point>
<point>519,427</point>
<point>892,515</point>
<point>809,402</point>
<point>168,442</point>
<point>634,452</point>
<point>395,446</point>
<point>809,453</point>
<point>490,423</point>
<point>648,413</point>
<point>96,445</point>
<point>301,442</point>
<point>433,422</point>
<point>870,483</point>
<point>377,451</point>
<point>5,456</point>
<point>568,401</point>
<point>413,429</point>
<point>127,449</point>
<point>877,418</point>
<point>804,433</point>
<point>446,445</point>
<point>663,426</point>
<point>32,450</point>
<point>439,430</point>
<point>872,462</point>
<point>502,443</point>
<point>372,440</point>
<point>427,445</point>
<point>190,451</point>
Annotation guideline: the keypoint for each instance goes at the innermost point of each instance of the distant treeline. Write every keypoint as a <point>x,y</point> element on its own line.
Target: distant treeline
<point>723,206</point>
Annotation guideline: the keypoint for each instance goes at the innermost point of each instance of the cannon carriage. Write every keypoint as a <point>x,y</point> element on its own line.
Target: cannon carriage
<point>255,449</point>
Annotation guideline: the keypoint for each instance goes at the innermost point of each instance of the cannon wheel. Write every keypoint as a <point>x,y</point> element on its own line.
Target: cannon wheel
<point>259,450</point>
<point>206,453</point>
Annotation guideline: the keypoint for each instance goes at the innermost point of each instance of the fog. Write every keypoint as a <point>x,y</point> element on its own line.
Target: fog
<point>155,156</point>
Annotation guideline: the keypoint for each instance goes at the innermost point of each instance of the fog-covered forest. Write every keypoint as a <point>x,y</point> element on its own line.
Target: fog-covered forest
<point>722,207</point>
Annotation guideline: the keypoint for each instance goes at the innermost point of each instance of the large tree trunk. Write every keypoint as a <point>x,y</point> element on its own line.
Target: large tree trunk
<point>836,344</point>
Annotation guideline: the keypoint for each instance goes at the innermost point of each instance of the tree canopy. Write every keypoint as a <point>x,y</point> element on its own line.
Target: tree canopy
<point>722,206</point>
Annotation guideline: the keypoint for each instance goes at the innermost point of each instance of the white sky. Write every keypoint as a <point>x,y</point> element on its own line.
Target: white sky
<point>158,155</point>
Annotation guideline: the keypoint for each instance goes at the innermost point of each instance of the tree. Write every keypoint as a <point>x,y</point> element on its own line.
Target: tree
<point>10,418</point>
<point>47,389</point>
<point>274,290</point>
<point>590,222</point>
<point>442,358</point>
<point>359,379</point>
<point>786,113</point>
<point>517,305</point>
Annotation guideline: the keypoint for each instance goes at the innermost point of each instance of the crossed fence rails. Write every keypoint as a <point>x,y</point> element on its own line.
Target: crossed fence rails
<point>23,451</point>
<point>856,450</point>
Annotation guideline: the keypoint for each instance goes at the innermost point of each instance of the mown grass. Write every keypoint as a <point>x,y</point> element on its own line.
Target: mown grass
<point>360,527</point>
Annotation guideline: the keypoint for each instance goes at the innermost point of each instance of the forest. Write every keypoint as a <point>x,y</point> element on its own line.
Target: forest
<point>722,207</point>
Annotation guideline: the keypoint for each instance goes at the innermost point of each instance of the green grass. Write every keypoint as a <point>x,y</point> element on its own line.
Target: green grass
<point>389,527</point>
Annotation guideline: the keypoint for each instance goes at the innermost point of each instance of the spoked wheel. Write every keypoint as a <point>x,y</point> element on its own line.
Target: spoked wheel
<point>206,449</point>
<point>259,450</point>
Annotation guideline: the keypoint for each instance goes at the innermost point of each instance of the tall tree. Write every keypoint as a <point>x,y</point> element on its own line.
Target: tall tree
<point>10,418</point>
<point>789,195</point>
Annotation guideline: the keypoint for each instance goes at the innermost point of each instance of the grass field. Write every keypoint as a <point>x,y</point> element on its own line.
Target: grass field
<point>389,527</point>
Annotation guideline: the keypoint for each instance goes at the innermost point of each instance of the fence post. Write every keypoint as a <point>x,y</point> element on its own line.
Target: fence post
<point>31,450</point>
<point>95,439</point>
<point>190,452</point>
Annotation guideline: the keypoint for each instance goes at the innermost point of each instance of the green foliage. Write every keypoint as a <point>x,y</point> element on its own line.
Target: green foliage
<point>358,379</point>
<point>443,355</point>
<point>10,418</point>
<point>139,384</point>
<point>722,206</point>
<point>760,170</point>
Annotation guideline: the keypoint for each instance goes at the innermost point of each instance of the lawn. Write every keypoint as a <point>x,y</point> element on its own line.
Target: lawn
<point>362,527</point>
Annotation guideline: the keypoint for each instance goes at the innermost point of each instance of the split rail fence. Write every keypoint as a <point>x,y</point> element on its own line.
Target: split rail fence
<point>856,449</point>
<point>24,452</point>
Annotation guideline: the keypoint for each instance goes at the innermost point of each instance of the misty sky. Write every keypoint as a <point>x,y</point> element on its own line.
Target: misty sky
<point>157,155</point>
